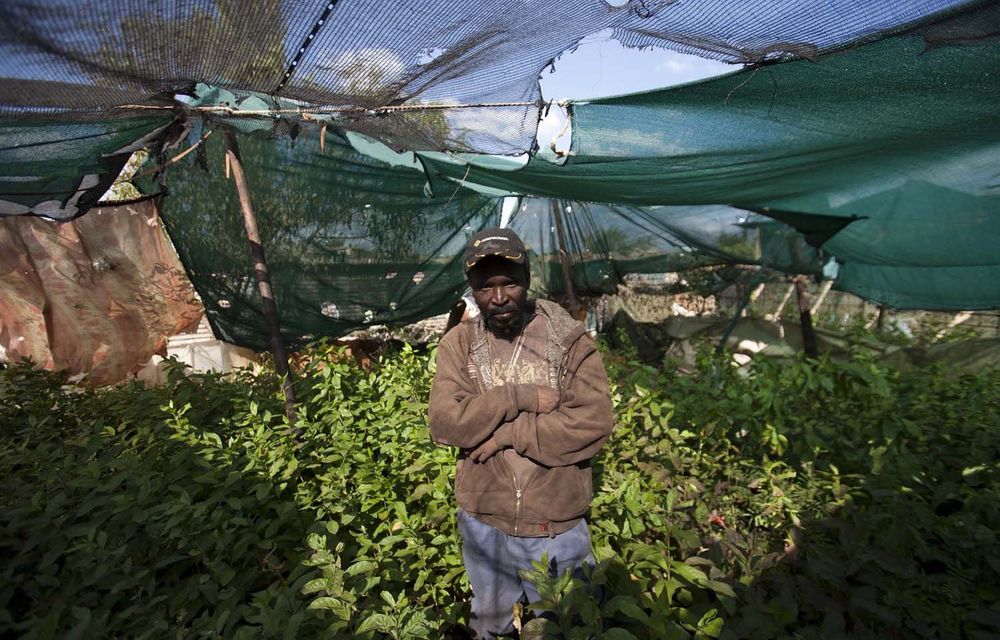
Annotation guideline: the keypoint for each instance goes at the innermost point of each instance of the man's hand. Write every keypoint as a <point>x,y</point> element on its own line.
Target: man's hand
<point>485,451</point>
<point>548,399</point>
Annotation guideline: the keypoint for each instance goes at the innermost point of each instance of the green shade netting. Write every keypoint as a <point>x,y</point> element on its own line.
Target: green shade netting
<point>477,61</point>
<point>885,153</point>
<point>604,243</point>
<point>60,170</point>
<point>898,138</point>
<point>350,241</point>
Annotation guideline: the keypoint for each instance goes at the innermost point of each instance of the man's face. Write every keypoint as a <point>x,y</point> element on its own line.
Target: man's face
<point>500,289</point>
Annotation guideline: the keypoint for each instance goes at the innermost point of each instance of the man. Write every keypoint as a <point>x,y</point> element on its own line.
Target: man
<point>521,391</point>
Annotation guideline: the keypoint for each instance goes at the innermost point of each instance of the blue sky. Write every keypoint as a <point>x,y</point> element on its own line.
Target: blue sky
<point>602,67</point>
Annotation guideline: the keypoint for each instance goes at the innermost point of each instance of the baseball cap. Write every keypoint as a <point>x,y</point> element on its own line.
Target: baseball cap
<point>494,242</point>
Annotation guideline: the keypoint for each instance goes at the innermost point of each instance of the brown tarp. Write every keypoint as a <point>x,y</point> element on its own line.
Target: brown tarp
<point>97,296</point>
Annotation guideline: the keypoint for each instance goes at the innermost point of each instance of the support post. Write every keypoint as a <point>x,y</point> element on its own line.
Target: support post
<point>776,316</point>
<point>744,302</point>
<point>271,320</point>
<point>822,296</point>
<point>564,257</point>
<point>759,289</point>
<point>959,318</point>
<point>805,317</point>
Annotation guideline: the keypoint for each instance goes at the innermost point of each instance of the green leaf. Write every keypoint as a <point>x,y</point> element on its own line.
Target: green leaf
<point>721,588</point>
<point>315,585</point>
<point>676,632</point>
<point>213,438</point>
<point>316,541</point>
<point>617,633</point>
<point>292,625</point>
<point>627,606</point>
<point>361,566</point>
<point>376,622</point>
<point>325,602</point>
<point>226,575</point>
<point>689,573</point>
<point>710,624</point>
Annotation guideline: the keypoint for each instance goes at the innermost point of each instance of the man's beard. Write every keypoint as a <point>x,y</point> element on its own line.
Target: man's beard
<point>506,326</point>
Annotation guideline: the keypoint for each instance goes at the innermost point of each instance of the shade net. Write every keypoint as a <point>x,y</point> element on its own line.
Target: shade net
<point>351,235</point>
<point>867,126</point>
<point>367,61</point>
<point>886,152</point>
<point>59,170</point>
<point>96,296</point>
<point>350,241</point>
<point>605,243</point>
<point>353,242</point>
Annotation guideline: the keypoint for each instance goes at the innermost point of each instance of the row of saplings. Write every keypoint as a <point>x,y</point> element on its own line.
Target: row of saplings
<point>808,499</point>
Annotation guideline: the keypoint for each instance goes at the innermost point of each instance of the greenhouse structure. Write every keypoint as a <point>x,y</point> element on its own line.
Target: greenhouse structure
<point>298,171</point>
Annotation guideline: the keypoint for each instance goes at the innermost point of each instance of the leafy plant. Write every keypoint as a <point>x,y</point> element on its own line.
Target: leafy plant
<point>806,499</point>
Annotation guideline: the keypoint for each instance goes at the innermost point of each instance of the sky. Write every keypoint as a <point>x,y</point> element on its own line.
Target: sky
<point>601,67</point>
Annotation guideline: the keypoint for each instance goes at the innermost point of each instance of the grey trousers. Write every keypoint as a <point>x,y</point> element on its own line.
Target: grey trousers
<point>492,559</point>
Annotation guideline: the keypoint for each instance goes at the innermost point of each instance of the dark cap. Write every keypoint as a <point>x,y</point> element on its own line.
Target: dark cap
<point>494,242</point>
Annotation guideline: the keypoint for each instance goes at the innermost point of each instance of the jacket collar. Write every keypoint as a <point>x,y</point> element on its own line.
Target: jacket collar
<point>563,330</point>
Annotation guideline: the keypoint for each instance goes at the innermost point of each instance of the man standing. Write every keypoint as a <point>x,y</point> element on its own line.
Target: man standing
<point>522,392</point>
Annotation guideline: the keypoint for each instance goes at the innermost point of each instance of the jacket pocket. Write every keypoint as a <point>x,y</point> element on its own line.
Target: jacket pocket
<point>484,488</point>
<point>559,494</point>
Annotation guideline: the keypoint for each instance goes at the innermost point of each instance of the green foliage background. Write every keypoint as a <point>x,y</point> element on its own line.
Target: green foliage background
<point>804,500</point>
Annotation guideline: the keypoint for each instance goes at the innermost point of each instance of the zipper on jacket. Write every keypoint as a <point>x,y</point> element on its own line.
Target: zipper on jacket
<point>517,491</point>
<point>518,494</point>
<point>517,506</point>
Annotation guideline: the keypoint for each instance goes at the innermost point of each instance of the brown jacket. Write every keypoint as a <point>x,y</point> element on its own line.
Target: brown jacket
<point>465,410</point>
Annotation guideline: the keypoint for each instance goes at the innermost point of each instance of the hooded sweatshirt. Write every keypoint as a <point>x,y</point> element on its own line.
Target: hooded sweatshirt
<point>466,408</point>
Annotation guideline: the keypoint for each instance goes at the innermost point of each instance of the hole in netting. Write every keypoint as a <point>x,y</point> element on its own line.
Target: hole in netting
<point>555,132</point>
<point>122,188</point>
<point>329,310</point>
<point>599,66</point>
<point>430,54</point>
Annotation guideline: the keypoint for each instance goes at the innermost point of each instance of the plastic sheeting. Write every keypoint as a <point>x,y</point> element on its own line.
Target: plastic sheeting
<point>97,296</point>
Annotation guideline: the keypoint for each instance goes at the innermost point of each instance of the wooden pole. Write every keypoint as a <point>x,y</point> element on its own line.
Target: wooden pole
<point>957,320</point>
<point>564,257</point>
<point>805,317</point>
<point>880,318</point>
<point>271,320</point>
<point>822,296</point>
<point>781,305</point>
<point>753,296</point>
